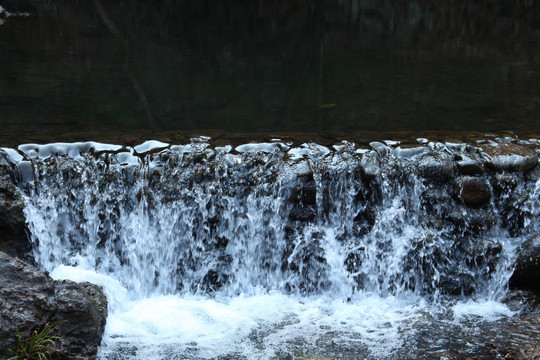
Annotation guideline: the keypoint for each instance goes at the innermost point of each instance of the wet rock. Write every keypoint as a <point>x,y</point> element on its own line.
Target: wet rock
<point>533,175</point>
<point>371,165</point>
<point>527,270</point>
<point>304,199</point>
<point>471,221</point>
<point>519,300</point>
<point>213,281</point>
<point>13,238</point>
<point>435,197</point>
<point>457,283</point>
<point>303,213</point>
<point>436,166</point>
<point>504,182</point>
<point>473,191</point>
<point>364,221</point>
<point>509,157</point>
<point>469,166</point>
<point>29,299</point>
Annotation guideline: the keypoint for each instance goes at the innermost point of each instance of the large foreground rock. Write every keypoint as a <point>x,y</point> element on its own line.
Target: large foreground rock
<point>29,299</point>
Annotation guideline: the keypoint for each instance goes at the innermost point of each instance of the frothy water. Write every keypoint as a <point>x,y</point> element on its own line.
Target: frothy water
<point>269,250</point>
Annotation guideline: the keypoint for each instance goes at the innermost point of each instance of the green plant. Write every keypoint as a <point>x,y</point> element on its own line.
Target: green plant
<point>38,346</point>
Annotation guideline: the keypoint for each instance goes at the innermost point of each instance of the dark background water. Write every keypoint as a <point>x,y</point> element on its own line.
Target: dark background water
<point>96,69</point>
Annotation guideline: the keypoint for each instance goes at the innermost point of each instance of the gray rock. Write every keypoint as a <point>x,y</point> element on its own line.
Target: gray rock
<point>13,238</point>
<point>527,272</point>
<point>509,157</point>
<point>29,299</point>
<point>436,166</point>
<point>473,191</point>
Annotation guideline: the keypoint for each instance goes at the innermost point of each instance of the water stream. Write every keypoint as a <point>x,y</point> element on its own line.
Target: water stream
<point>274,250</point>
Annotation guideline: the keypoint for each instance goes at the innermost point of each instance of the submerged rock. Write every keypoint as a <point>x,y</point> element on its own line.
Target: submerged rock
<point>29,299</point>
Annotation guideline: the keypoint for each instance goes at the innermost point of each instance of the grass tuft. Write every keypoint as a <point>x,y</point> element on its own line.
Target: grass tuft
<point>38,346</point>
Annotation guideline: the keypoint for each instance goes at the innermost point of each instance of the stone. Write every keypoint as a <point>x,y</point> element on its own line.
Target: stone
<point>436,166</point>
<point>509,157</point>
<point>13,230</point>
<point>29,299</point>
<point>527,269</point>
<point>473,191</point>
<point>469,166</point>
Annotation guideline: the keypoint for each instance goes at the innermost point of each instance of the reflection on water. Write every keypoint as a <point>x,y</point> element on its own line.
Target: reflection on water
<point>75,70</point>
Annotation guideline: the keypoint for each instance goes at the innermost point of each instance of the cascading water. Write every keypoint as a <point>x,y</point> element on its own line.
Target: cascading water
<point>269,250</point>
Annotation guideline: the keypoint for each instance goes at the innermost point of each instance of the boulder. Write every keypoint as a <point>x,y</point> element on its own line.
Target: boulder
<point>473,191</point>
<point>29,299</point>
<point>509,157</point>
<point>13,238</point>
<point>527,270</point>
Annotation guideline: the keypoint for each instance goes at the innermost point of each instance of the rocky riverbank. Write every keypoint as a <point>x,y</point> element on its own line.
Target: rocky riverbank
<point>30,299</point>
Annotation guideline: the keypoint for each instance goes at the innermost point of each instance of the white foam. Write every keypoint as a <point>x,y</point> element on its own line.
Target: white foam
<point>117,295</point>
<point>260,147</point>
<point>150,145</point>
<point>258,325</point>
<point>487,310</point>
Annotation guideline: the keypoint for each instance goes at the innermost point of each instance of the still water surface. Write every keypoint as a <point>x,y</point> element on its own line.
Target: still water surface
<point>99,70</point>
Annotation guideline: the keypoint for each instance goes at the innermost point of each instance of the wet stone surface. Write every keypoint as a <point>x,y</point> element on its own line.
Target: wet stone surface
<point>473,191</point>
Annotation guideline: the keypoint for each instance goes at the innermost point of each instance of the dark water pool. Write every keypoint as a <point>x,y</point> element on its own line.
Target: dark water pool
<point>77,70</point>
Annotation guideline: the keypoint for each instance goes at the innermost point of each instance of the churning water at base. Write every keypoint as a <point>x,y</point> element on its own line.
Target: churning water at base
<point>273,251</point>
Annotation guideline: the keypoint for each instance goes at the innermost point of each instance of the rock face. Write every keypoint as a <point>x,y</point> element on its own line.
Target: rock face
<point>527,273</point>
<point>13,238</point>
<point>29,299</point>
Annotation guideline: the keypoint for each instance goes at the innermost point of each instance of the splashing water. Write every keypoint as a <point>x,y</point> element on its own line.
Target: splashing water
<point>268,250</point>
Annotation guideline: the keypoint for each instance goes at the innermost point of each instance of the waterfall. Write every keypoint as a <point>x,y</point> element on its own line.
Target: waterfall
<point>275,219</point>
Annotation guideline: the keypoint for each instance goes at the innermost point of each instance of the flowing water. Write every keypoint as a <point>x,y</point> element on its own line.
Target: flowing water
<point>274,250</point>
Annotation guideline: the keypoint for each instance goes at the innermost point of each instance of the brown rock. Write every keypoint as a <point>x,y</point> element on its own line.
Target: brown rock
<point>509,157</point>
<point>472,190</point>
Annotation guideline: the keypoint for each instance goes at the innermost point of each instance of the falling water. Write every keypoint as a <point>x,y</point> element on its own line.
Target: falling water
<point>271,250</point>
